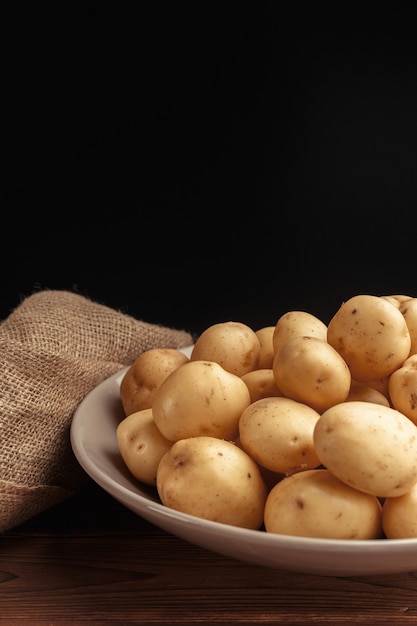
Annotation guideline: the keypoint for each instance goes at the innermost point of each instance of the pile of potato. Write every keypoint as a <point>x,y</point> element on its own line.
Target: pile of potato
<point>298,428</point>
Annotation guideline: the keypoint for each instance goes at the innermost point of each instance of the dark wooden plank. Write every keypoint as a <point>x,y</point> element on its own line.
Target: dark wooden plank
<point>92,561</point>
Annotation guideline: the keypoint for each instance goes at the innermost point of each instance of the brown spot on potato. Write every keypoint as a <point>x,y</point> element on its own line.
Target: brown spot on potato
<point>179,461</point>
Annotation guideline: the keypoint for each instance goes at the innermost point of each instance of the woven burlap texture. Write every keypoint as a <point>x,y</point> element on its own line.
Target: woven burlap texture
<point>55,347</point>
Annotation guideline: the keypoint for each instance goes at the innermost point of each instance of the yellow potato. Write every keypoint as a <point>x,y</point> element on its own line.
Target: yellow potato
<point>234,345</point>
<point>144,376</point>
<point>366,393</point>
<point>278,434</point>
<point>371,335</point>
<point>409,310</point>
<point>392,300</point>
<point>261,384</point>
<point>270,478</point>
<point>212,479</point>
<point>315,503</point>
<point>399,515</point>
<point>397,300</point>
<point>402,387</point>
<point>141,445</point>
<point>379,384</point>
<point>297,324</point>
<point>266,356</point>
<point>200,398</point>
<point>368,446</point>
<point>310,370</point>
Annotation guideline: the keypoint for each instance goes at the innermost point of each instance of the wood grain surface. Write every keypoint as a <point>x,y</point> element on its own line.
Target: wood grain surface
<point>91,561</point>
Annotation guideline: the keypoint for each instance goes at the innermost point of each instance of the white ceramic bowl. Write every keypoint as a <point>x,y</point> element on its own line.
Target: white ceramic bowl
<point>93,439</point>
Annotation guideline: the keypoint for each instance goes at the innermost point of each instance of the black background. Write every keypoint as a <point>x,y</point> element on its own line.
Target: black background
<point>189,163</point>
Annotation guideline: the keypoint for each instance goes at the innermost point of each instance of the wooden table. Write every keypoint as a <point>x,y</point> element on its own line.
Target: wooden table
<point>91,561</point>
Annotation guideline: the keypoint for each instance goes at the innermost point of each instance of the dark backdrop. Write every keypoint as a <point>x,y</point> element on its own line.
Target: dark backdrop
<point>193,163</point>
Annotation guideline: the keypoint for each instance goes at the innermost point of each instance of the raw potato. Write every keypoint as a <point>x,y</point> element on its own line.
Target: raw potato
<point>368,446</point>
<point>297,324</point>
<point>200,398</point>
<point>402,387</point>
<point>399,515</point>
<point>397,300</point>
<point>309,370</point>
<point>212,479</point>
<point>366,393</point>
<point>371,335</point>
<point>141,445</point>
<point>278,434</point>
<point>261,384</point>
<point>298,428</point>
<point>266,356</point>
<point>315,503</point>
<point>235,346</point>
<point>409,310</point>
<point>144,376</point>
<point>379,384</point>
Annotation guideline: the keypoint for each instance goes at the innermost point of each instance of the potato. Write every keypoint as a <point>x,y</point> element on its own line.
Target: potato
<point>278,434</point>
<point>315,503</point>
<point>366,393</point>
<point>200,398</point>
<point>297,324</point>
<point>399,515</point>
<point>309,370</point>
<point>409,310</point>
<point>270,478</point>
<point>397,300</point>
<point>266,356</point>
<point>261,384</point>
<point>402,387</point>
<point>379,384</point>
<point>141,445</point>
<point>368,446</point>
<point>371,335</point>
<point>212,479</point>
<point>392,300</point>
<point>144,376</point>
<point>234,345</point>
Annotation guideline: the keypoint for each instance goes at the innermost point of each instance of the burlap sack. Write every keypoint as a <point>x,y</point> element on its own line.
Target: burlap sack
<point>54,348</point>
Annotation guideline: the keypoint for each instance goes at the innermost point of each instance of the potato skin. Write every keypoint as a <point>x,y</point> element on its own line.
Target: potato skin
<point>200,398</point>
<point>402,388</point>
<point>309,370</point>
<point>366,393</point>
<point>297,324</point>
<point>141,445</point>
<point>234,345</point>
<point>368,446</point>
<point>315,503</point>
<point>399,515</point>
<point>213,479</point>
<point>397,299</point>
<point>371,335</point>
<point>266,355</point>
<point>409,310</point>
<point>144,376</point>
<point>261,384</point>
<point>278,433</point>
